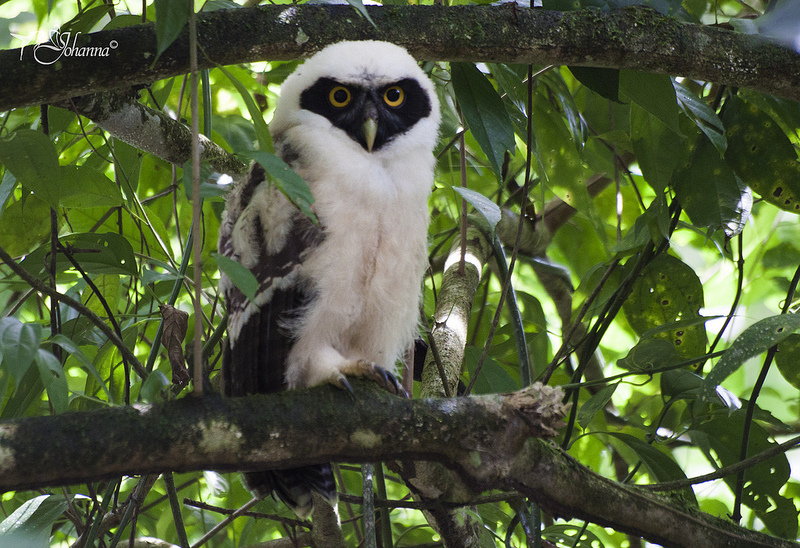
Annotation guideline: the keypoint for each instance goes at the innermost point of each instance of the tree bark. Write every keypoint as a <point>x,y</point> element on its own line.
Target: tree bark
<point>632,38</point>
<point>489,441</point>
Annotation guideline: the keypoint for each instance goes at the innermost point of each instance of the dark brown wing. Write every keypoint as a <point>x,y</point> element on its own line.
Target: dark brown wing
<point>254,361</point>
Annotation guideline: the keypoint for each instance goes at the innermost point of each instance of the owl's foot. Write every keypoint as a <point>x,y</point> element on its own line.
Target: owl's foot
<point>372,372</point>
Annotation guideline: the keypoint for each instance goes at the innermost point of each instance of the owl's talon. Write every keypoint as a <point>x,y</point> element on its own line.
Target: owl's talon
<point>370,371</point>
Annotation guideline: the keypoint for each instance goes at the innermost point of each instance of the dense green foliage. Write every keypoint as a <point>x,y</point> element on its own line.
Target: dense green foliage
<point>683,248</point>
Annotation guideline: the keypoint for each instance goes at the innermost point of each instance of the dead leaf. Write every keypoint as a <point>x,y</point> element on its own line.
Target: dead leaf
<point>176,322</point>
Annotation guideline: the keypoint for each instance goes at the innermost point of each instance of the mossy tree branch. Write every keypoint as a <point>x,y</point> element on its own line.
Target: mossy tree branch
<point>489,441</point>
<point>631,38</point>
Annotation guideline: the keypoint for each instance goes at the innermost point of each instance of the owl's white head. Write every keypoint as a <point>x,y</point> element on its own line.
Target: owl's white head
<point>370,92</point>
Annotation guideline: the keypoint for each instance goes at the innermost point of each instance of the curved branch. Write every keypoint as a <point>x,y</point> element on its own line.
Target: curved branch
<point>488,440</point>
<point>631,38</point>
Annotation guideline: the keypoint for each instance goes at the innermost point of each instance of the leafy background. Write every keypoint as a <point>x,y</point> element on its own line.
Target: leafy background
<point>685,244</point>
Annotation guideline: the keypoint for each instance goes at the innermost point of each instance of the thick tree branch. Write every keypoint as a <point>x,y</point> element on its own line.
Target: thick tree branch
<point>121,114</point>
<point>631,38</point>
<point>488,440</point>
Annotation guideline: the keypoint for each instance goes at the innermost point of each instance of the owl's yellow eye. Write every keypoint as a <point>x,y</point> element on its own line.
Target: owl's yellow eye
<point>394,96</point>
<point>339,96</point>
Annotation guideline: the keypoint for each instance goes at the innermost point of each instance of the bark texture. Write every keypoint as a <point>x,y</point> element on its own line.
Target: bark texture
<point>631,38</point>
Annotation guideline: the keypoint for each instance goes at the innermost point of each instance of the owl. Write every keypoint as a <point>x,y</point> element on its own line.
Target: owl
<point>338,297</point>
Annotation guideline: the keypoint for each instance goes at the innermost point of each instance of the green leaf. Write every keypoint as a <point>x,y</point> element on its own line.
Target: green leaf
<point>762,155</point>
<point>711,193</point>
<point>241,277</point>
<point>171,17</point>
<point>483,205</point>
<point>492,378</point>
<point>660,466</point>
<point>704,117</point>
<point>753,341</point>
<point>604,81</point>
<point>484,112</point>
<point>29,526</point>
<point>32,158</point>
<point>788,359</point>
<point>262,131</point>
<point>83,186</point>
<point>657,150</point>
<point>294,187</point>
<point>764,481</point>
<point>20,342</point>
<point>359,7</point>
<point>668,291</point>
<point>561,165</point>
<point>53,379</point>
<point>596,403</point>
<point>24,225</point>
<point>650,354</point>
<point>96,253</point>
<point>654,93</point>
<point>74,350</point>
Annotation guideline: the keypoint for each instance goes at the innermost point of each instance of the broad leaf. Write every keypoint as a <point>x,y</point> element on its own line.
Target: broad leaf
<point>484,112</point>
<point>83,186</point>
<point>711,193</point>
<point>762,155</point>
<point>788,359</point>
<point>32,158</point>
<point>171,17</point>
<point>763,482</point>
<point>20,342</point>
<point>483,205</point>
<point>657,150</point>
<point>241,277</point>
<point>660,465</point>
<point>30,525</point>
<point>595,404</point>
<point>654,93</point>
<point>53,379</point>
<point>294,187</point>
<point>668,291</point>
<point>753,341</point>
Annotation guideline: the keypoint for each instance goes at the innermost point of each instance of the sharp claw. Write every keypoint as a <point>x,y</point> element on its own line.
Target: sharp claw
<point>344,384</point>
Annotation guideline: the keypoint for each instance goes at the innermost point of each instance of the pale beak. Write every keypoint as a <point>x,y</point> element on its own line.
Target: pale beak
<point>369,128</point>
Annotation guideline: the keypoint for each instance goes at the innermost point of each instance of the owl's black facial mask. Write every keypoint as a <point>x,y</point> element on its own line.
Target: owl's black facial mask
<point>396,107</point>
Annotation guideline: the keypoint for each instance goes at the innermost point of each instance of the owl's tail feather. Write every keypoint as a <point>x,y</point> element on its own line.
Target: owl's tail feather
<point>294,486</point>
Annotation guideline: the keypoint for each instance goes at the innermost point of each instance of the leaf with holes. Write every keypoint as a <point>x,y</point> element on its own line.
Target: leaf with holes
<point>763,482</point>
<point>753,341</point>
<point>668,291</point>
<point>762,155</point>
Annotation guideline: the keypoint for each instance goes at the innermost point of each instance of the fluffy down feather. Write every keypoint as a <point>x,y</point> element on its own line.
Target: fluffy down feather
<point>347,291</point>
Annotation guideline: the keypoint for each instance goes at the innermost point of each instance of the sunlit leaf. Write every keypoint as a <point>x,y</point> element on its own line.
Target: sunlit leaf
<point>53,379</point>
<point>241,277</point>
<point>668,291</point>
<point>753,341</point>
<point>484,112</point>
<point>483,205</point>
<point>83,186</point>
<point>294,187</point>
<point>30,525</point>
<point>788,359</point>
<point>650,354</point>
